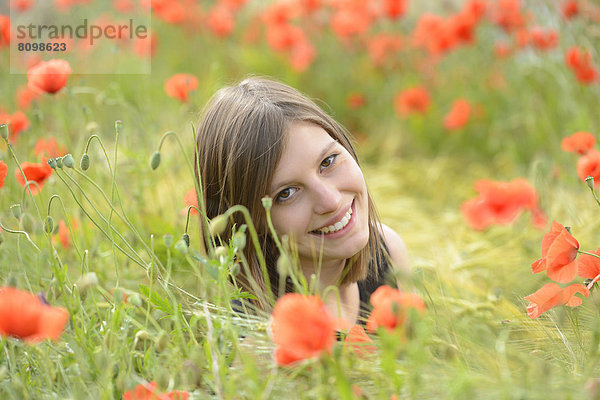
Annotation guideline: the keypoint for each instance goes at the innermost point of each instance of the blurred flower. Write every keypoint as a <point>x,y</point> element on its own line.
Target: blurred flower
<point>434,34</point>
<point>301,328</point>
<point>350,18</point>
<point>149,391</point>
<point>413,100</point>
<point>302,55</point>
<point>581,63</point>
<point>190,199</point>
<point>588,267</point>
<point>499,202</point>
<point>170,11</point>
<point>221,20</point>
<point>24,96</point>
<point>49,148</point>
<point>539,218</point>
<point>38,172</point>
<point>358,340</point>
<point>64,235</point>
<point>508,15</point>
<point>458,115</point>
<point>145,46</point>
<point>355,100</point>
<point>179,86</point>
<point>3,172</point>
<point>48,76</point>
<point>589,165</point>
<point>382,46</point>
<point>559,250</point>
<point>124,6</point>
<point>394,8</point>
<point>23,315</point>
<point>390,308</point>
<point>543,39</point>
<point>570,9</point>
<point>4,30</point>
<point>502,49</point>
<point>552,295</point>
<point>21,5</point>
<point>17,123</point>
<point>579,142</point>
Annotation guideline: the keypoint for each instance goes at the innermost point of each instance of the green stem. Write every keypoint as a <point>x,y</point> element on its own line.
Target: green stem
<point>22,233</point>
<point>589,254</point>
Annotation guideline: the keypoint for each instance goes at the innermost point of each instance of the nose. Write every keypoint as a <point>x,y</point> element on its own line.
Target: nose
<point>327,197</point>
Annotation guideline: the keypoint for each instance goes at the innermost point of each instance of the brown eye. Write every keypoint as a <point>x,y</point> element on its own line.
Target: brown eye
<point>285,194</point>
<point>328,161</point>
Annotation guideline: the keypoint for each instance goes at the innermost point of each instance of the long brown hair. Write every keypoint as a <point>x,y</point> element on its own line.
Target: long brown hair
<point>239,142</point>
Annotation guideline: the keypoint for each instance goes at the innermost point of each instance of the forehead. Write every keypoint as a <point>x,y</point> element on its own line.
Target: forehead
<point>305,144</point>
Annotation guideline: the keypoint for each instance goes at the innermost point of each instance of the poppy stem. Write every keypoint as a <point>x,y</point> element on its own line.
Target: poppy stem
<point>22,233</point>
<point>589,286</point>
<point>589,254</point>
<point>591,186</point>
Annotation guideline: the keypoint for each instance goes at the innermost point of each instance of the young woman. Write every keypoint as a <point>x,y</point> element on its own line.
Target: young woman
<point>263,138</point>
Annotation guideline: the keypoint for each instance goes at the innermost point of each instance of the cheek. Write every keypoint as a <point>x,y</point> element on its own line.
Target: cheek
<point>289,219</point>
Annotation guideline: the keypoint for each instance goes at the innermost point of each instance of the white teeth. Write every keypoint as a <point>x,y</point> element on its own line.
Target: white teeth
<point>338,225</point>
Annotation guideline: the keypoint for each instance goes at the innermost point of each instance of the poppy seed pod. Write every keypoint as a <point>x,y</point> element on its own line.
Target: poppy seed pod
<point>239,240</point>
<point>590,182</point>
<point>155,160</point>
<point>48,224</point>
<point>186,239</point>
<point>118,125</point>
<point>16,211</point>
<point>181,246</point>
<point>267,202</point>
<point>217,225</point>
<point>52,163</point>
<point>59,162</point>
<point>4,131</point>
<point>68,161</point>
<point>85,162</point>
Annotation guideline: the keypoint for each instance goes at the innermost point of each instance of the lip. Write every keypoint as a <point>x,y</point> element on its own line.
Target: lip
<point>335,219</point>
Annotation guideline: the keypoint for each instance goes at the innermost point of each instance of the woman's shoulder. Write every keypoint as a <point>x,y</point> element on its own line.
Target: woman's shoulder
<point>396,248</point>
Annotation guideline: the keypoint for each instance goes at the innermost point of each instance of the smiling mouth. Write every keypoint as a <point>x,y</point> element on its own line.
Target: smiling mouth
<point>338,226</point>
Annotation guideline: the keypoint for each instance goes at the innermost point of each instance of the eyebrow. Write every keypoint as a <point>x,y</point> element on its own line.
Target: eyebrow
<point>319,158</point>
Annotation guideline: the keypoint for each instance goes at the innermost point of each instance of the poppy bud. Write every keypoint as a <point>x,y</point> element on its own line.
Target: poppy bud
<point>267,202</point>
<point>142,335</point>
<point>168,240</point>
<point>68,161</point>
<point>235,269</point>
<point>48,224</point>
<point>92,127</point>
<point>4,131</point>
<point>217,225</point>
<point>186,239</point>
<point>85,162</point>
<point>590,182</point>
<point>59,162</point>
<point>283,265</point>
<point>118,125</point>
<point>239,240</point>
<point>87,281</point>
<point>52,163</point>
<point>155,160</point>
<point>16,211</point>
<point>221,252</point>
<point>135,300</point>
<point>162,341</point>
<point>181,246</point>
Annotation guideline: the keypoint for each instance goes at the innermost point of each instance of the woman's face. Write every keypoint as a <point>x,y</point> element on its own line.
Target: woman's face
<point>319,196</point>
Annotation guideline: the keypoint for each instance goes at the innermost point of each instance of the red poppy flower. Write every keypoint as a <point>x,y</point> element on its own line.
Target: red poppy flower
<point>302,55</point>
<point>382,46</point>
<point>221,20</point>
<point>358,340</point>
<point>179,86</point>
<point>570,9</point>
<point>581,63</point>
<point>4,30</point>
<point>543,39</point>
<point>502,50</point>
<point>24,96</point>
<point>169,11</point>
<point>38,172</point>
<point>149,391</point>
<point>589,165</point>
<point>552,295</point>
<point>353,18</point>
<point>3,172</point>
<point>414,100</point>
<point>23,315</point>
<point>301,328</point>
<point>588,267</point>
<point>394,9</point>
<point>458,115</point>
<point>48,76</point>
<point>355,100</point>
<point>499,202</point>
<point>17,123</point>
<point>64,235</point>
<point>390,308</point>
<point>579,142</point>
<point>559,250</point>
<point>190,199</point>
<point>508,15</point>
<point>49,148</point>
<point>435,34</point>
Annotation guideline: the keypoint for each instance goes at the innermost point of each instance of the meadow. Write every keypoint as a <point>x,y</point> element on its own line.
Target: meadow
<point>439,97</point>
